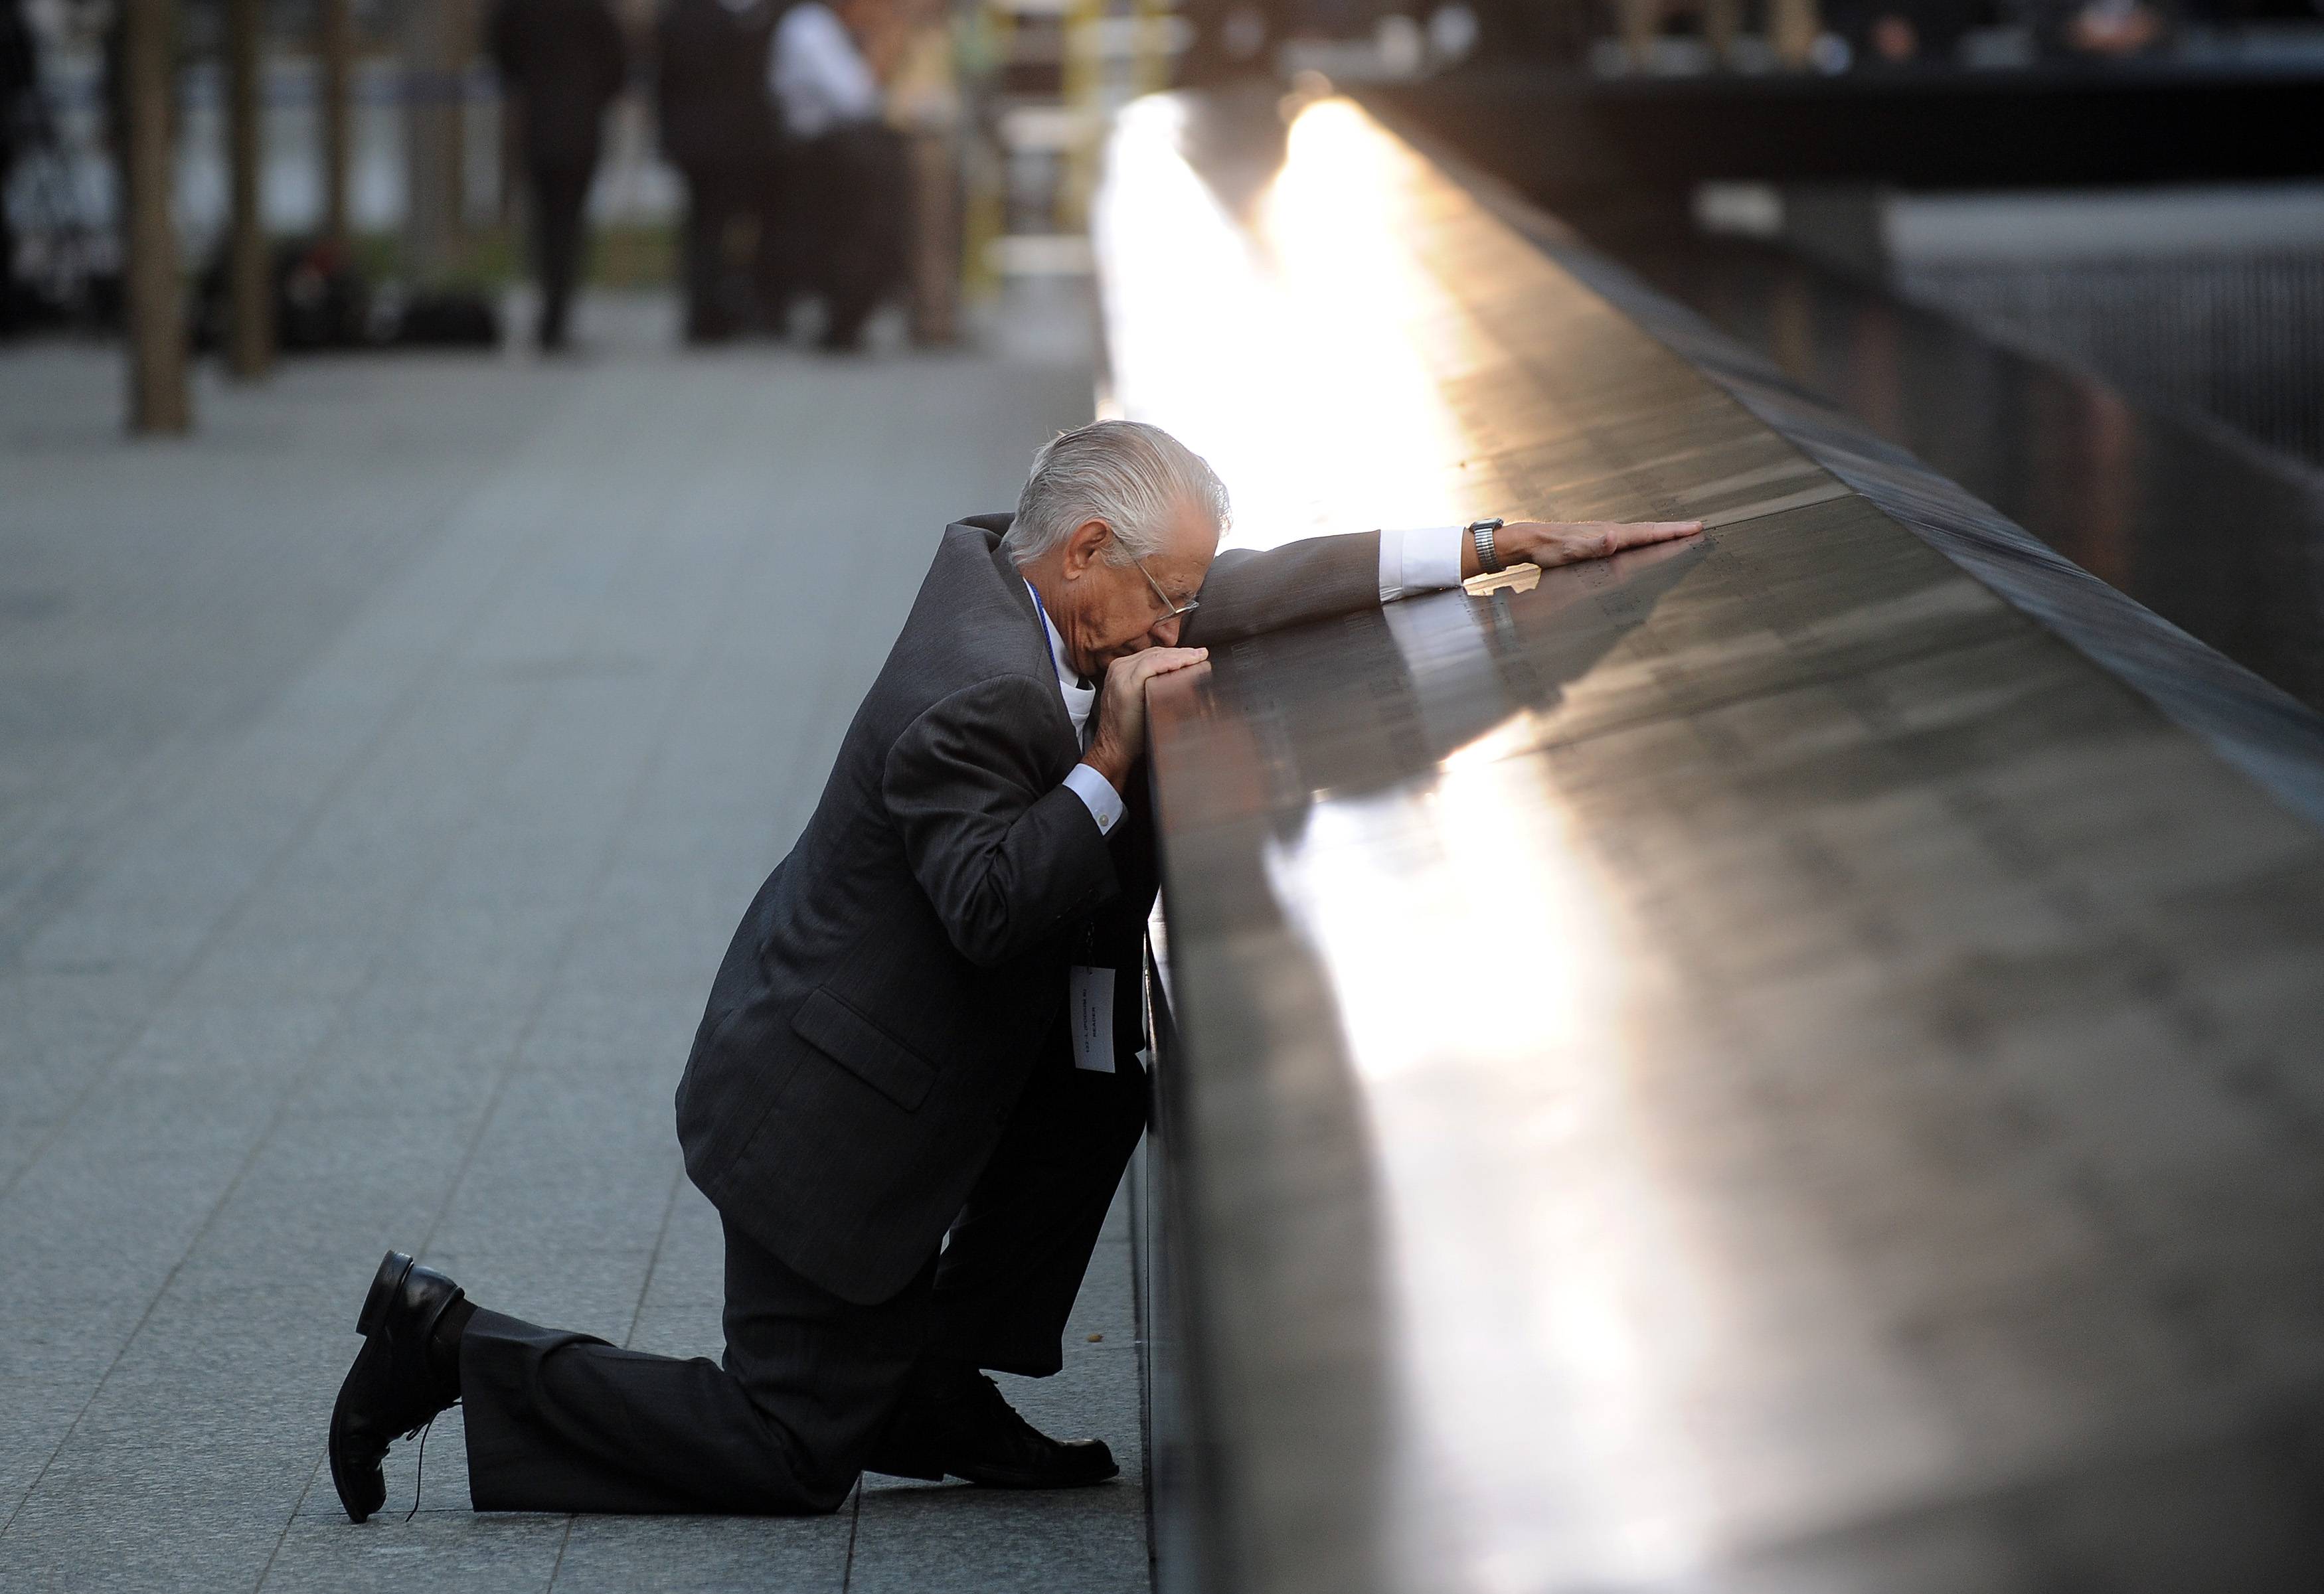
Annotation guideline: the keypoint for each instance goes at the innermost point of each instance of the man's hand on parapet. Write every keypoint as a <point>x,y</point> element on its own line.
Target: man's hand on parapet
<point>1550,543</point>
<point>1122,709</point>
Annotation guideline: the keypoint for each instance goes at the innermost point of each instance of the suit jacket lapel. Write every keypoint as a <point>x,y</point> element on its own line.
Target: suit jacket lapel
<point>1011,595</point>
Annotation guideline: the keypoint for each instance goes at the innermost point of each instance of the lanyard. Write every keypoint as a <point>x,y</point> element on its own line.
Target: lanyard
<point>1055,663</point>
<point>1042,609</point>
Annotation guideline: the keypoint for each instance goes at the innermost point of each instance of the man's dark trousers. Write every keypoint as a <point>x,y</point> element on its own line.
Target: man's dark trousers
<point>562,1422</point>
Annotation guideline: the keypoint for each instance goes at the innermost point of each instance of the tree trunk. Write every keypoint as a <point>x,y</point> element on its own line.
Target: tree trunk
<point>338,144</point>
<point>249,338</point>
<point>158,399</point>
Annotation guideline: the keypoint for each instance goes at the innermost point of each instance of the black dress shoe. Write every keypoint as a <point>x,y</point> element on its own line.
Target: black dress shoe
<point>393,1388</point>
<point>956,1424</point>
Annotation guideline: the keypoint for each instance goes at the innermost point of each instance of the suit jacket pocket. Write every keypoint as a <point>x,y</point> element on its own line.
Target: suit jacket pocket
<point>864,1049</point>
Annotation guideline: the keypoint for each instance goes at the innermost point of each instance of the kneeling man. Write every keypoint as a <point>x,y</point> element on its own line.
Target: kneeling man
<point>882,1101</point>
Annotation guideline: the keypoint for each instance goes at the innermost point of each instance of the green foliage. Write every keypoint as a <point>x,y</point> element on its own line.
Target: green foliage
<point>620,256</point>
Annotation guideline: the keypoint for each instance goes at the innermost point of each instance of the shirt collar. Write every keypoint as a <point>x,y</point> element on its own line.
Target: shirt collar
<point>1068,679</point>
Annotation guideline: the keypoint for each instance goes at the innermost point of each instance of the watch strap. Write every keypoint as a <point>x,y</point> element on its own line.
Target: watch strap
<point>1480,534</point>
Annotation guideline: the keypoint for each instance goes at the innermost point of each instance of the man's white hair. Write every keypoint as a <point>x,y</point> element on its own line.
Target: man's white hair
<point>1132,477</point>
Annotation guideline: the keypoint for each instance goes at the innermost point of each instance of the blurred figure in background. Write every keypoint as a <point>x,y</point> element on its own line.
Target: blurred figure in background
<point>1901,32</point>
<point>560,62</point>
<point>850,165</point>
<point>20,123</point>
<point>717,128</point>
<point>780,269</point>
<point>2108,30</point>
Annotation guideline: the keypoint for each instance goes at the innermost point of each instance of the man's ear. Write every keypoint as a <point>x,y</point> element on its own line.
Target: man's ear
<point>1081,548</point>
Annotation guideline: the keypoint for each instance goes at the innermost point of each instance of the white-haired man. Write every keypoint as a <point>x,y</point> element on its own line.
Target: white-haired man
<point>916,1085</point>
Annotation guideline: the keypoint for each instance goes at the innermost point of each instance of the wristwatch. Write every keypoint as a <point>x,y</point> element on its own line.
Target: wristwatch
<point>1480,532</point>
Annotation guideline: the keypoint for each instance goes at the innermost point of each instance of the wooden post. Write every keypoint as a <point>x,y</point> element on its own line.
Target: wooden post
<point>158,399</point>
<point>338,64</point>
<point>1792,27</point>
<point>250,331</point>
<point>435,74</point>
<point>1083,91</point>
<point>459,55</point>
<point>1722,20</point>
<point>1638,20</point>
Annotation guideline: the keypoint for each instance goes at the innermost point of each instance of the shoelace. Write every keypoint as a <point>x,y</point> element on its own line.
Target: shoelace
<point>420,1472</point>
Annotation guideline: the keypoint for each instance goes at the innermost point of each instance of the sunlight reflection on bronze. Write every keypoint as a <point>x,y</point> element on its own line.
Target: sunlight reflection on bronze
<point>1687,1065</point>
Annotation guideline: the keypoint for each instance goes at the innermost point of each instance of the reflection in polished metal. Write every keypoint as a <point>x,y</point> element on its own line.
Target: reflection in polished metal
<point>1369,437</point>
<point>2222,539</point>
<point>1881,1149</point>
<point>2248,583</point>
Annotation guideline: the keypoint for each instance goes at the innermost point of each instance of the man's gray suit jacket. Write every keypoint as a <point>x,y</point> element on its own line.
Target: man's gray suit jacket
<point>901,972</point>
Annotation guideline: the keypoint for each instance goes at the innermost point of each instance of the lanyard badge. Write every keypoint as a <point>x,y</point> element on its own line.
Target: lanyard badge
<point>1089,1008</point>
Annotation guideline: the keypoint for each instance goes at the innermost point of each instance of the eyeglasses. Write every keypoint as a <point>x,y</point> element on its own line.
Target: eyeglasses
<point>1171,610</point>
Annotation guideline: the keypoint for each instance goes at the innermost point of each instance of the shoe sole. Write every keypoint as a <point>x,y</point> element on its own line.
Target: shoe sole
<point>393,1269</point>
<point>930,1472</point>
<point>349,1499</point>
<point>1019,1480</point>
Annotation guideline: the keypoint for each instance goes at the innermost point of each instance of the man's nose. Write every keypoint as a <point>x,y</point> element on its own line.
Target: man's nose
<point>1166,630</point>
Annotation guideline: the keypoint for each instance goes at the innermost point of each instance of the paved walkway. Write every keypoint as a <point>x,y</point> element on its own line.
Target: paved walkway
<point>382,772</point>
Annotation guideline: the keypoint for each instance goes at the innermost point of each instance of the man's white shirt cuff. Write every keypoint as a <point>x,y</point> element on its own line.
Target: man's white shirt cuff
<point>1097,794</point>
<point>1425,560</point>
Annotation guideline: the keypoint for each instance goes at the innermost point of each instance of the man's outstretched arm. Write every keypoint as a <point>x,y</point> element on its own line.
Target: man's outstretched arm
<point>1252,590</point>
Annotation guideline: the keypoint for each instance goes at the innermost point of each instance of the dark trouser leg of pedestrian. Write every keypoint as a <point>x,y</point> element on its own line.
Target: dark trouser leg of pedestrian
<point>1017,1252</point>
<point>711,195</point>
<point>826,231</point>
<point>935,242</point>
<point>888,228</point>
<point>560,195</point>
<point>862,202</point>
<point>777,266</point>
<point>11,304</point>
<point>561,1421</point>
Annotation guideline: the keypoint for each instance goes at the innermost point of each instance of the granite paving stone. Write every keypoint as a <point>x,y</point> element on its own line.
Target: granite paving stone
<point>731,1555</point>
<point>382,773</point>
